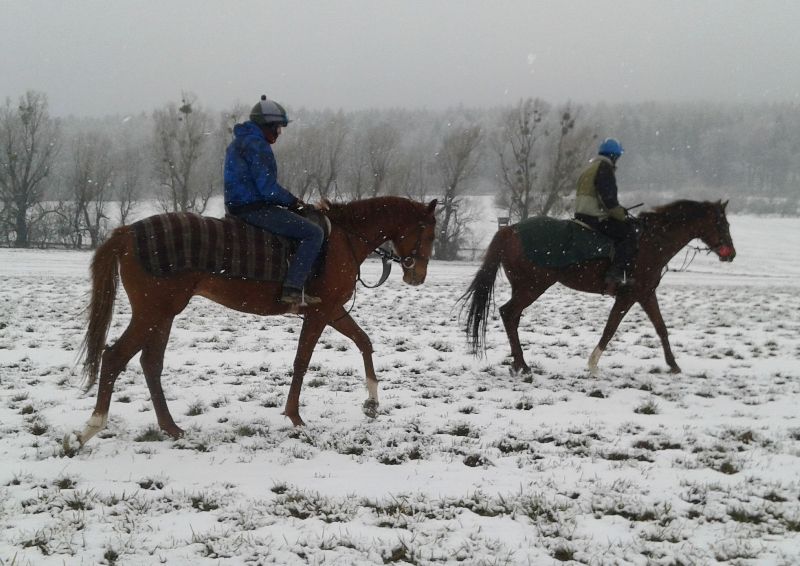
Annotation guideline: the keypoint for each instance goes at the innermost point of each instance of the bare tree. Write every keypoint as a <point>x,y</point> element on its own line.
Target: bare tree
<point>28,146</point>
<point>181,134</point>
<point>89,185</point>
<point>456,163</point>
<point>128,180</point>
<point>382,141</point>
<point>297,155</point>
<point>516,147</point>
<point>558,179</point>
<point>355,168</point>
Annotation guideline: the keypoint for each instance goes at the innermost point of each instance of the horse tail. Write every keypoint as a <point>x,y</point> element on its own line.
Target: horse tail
<point>480,293</point>
<point>105,281</point>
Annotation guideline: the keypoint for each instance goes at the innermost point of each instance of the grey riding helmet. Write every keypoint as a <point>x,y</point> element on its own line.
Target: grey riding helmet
<point>269,112</point>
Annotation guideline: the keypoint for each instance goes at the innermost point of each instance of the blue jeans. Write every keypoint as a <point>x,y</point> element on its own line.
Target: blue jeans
<point>286,223</point>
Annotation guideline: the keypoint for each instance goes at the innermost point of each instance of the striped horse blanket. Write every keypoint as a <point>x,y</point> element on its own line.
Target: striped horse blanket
<point>178,242</point>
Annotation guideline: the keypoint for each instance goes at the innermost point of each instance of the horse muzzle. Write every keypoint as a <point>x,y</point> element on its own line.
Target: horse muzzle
<point>414,276</point>
<point>725,253</point>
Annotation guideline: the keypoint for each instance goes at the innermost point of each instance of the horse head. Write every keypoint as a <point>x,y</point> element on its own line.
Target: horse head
<point>716,232</point>
<point>414,245</point>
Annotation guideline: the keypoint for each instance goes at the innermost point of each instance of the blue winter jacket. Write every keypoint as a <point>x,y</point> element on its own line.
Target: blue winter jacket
<point>251,172</point>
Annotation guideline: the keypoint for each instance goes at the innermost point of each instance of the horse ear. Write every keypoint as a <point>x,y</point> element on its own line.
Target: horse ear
<point>432,206</point>
<point>724,205</point>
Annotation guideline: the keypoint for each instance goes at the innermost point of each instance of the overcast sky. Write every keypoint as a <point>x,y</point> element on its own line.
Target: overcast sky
<point>108,57</point>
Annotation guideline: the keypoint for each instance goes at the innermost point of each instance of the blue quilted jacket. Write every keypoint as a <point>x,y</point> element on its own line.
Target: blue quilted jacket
<point>251,172</point>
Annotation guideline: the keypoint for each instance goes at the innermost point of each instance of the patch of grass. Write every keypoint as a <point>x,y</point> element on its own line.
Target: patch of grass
<point>245,430</point>
<point>151,434</point>
<point>564,553</point>
<point>728,467</point>
<point>65,482</point>
<point>511,445</point>
<point>40,539</point>
<point>459,429</point>
<point>203,502</point>
<point>742,515</point>
<point>316,382</point>
<point>37,428</point>
<point>151,484</point>
<point>27,410</point>
<point>649,407</point>
<point>195,409</point>
<point>475,460</point>
<point>111,556</point>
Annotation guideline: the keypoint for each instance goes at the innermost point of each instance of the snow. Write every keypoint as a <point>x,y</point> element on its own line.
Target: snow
<point>465,462</point>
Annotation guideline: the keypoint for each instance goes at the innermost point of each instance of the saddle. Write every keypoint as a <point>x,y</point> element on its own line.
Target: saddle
<point>553,243</point>
<point>178,242</point>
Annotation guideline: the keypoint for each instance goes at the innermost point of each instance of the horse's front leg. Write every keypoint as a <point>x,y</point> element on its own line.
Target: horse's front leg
<point>345,324</point>
<point>621,307</point>
<point>650,306</point>
<point>313,326</point>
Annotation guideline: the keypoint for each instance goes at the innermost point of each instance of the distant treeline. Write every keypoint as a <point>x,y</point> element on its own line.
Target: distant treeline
<point>67,181</point>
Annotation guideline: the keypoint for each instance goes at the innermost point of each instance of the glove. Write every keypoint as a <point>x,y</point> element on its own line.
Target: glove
<point>618,213</point>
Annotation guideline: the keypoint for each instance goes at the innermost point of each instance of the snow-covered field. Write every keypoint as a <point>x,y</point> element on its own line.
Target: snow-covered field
<point>465,462</point>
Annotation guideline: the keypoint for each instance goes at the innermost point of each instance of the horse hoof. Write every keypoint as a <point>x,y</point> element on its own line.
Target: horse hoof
<point>174,431</point>
<point>674,369</point>
<point>295,418</point>
<point>516,372</point>
<point>370,408</point>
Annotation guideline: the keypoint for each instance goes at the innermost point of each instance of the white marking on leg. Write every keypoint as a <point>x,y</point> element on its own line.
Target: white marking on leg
<point>372,387</point>
<point>95,424</point>
<point>594,359</point>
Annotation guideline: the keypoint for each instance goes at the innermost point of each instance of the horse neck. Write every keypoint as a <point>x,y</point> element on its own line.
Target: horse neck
<point>373,221</point>
<point>669,236</point>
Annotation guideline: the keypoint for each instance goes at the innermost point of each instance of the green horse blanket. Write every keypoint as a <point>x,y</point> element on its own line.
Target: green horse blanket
<point>549,242</point>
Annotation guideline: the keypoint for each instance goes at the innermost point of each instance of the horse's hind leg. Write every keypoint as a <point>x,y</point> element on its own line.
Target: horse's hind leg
<point>345,324</point>
<point>309,335</point>
<point>621,307</point>
<point>650,306</point>
<point>511,312</point>
<point>115,358</point>
<point>152,361</point>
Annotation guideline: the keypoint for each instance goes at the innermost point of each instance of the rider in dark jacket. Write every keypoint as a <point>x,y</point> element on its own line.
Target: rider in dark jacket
<point>253,194</point>
<point>596,205</point>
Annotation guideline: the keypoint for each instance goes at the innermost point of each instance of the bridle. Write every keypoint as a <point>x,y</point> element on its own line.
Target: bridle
<point>692,251</point>
<point>388,256</point>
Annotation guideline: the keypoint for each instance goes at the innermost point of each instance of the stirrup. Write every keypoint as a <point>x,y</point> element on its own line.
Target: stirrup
<point>299,297</point>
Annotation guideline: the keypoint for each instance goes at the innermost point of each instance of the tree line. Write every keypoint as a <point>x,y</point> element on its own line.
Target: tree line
<point>68,181</point>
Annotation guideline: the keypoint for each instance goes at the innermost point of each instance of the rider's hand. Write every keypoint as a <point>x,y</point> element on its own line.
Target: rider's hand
<point>618,213</point>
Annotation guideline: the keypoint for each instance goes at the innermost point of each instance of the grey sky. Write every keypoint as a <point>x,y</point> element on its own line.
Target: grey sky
<point>103,57</point>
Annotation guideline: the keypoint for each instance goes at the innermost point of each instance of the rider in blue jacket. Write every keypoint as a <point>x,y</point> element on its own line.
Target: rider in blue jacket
<point>253,194</point>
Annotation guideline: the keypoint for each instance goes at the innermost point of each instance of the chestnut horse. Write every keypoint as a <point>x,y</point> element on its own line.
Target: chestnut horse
<point>665,231</point>
<point>357,228</point>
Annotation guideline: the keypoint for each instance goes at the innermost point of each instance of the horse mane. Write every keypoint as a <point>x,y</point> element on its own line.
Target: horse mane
<point>679,211</point>
<point>356,212</point>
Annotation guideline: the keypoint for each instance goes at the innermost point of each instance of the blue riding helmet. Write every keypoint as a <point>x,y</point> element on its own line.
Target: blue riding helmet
<point>611,147</point>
